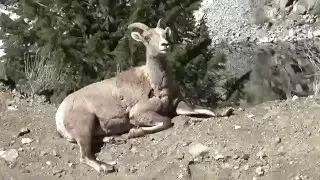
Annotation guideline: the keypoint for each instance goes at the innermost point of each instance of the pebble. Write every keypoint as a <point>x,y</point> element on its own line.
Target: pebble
<point>259,171</point>
<point>316,33</point>
<point>54,153</point>
<point>277,140</point>
<point>235,156</point>
<point>219,156</point>
<point>71,165</point>
<point>9,155</point>
<point>261,154</point>
<point>294,98</point>
<point>251,116</point>
<point>198,149</point>
<point>26,140</point>
<point>246,156</point>
<point>43,153</point>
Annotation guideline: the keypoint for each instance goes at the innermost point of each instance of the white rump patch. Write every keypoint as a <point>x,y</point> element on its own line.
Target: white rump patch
<point>60,122</point>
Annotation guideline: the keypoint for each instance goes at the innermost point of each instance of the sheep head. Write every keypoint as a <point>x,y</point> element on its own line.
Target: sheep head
<point>154,39</point>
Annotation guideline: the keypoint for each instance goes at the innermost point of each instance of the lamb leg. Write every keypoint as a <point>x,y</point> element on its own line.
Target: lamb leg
<point>148,123</point>
<point>184,108</point>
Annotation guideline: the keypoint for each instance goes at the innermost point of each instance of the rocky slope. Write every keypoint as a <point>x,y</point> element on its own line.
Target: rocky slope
<point>246,25</point>
<point>274,140</point>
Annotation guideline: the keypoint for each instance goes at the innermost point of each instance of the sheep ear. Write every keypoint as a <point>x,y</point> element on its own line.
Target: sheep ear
<point>136,36</point>
<point>168,31</point>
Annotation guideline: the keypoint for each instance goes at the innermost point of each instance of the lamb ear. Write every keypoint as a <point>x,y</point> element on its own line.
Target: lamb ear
<point>168,31</point>
<point>136,36</point>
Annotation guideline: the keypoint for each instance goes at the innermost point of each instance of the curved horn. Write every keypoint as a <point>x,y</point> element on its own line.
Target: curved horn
<point>159,23</point>
<point>138,25</point>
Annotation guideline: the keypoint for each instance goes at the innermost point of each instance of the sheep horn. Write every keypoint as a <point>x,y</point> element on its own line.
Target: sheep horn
<point>159,23</point>
<point>138,25</point>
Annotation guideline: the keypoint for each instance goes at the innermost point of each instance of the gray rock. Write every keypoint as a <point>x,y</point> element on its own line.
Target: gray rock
<point>316,33</point>
<point>9,155</point>
<point>299,8</point>
<point>26,140</point>
<point>198,149</point>
<point>259,171</point>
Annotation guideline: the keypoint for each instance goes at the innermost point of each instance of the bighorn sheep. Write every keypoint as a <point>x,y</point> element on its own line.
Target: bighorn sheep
<point>285,74</point>
<point>140,100</point>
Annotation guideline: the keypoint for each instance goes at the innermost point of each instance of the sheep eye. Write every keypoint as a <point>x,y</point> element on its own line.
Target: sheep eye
<point>147,38</point>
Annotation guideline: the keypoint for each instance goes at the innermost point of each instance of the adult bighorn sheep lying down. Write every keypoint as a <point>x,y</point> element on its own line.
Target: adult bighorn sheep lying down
<point>139,101</point>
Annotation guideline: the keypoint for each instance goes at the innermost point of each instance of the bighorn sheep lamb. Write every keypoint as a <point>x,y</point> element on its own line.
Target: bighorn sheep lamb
<point>285,74</point>
<point>140,100</point>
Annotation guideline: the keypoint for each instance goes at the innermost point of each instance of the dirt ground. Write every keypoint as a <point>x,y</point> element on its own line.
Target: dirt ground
<point>275,140</point>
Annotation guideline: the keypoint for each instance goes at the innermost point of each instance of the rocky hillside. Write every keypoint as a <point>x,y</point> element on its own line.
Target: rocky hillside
<point>273,140</point>
<point>246,25</point>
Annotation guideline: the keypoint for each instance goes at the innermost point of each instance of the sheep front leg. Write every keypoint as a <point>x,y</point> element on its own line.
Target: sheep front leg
<point>148,123</point>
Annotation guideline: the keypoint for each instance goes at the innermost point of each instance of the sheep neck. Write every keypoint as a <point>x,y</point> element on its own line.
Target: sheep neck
<point>158,71</point>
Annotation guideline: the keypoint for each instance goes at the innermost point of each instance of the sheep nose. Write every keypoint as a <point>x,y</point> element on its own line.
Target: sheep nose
<point>166,44</point>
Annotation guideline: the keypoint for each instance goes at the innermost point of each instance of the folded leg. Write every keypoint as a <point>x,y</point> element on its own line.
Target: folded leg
<point>148,123</point>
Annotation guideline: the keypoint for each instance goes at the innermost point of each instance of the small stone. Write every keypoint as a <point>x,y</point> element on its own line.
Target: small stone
<point>237,127</point>
<point>261,154</point>
<point>241,109</point>
<point>310,34</point>
<point>219,156</point>
<point>133,170</point>
<point>235,156</point>
<point>236,167</point>
<point>259,171</point>
<point>71,165</point>
<point>2,152</point>
<point>10,155</point>
<point>250,116</point>
<point>26,140</point>
<point>295,98</point>
<point>134,150</point>
<point>264,40</point>
<point>198,149</point>
<point>43,153</point>
<point>57,171</point>
<point>12,142</point>
<point>112,163</point>
<point>316,33</point>
<point>298,177</point>
<point>291,33</point>
<point>246,156</point>
<point>309,133</point>
<point>25,171</point>
<point>49,163</point>
<point>23,131</point>
<point>179,156</point>
<point>277,140</point>
<point>110,140</point>
<point>299,8</point>
<point>54,153</point>
<point>12,108</point>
